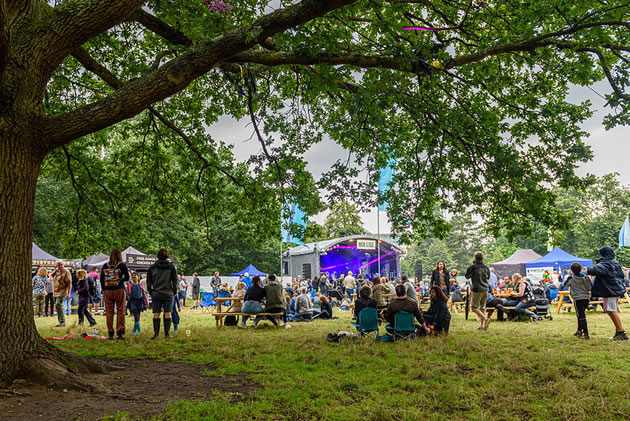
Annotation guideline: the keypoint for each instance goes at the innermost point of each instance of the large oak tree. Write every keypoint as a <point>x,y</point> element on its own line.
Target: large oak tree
<point>476,111</point>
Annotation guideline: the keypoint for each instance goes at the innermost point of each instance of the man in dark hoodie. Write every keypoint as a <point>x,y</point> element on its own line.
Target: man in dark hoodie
<point>162,286</point>
<point>609,285</point>
<point>479,274</point>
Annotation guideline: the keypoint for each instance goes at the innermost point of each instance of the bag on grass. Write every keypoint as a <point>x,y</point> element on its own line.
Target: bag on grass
<point>230,321</point>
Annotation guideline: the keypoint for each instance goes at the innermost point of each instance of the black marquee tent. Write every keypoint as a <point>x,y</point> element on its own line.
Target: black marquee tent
<point>515,263</point>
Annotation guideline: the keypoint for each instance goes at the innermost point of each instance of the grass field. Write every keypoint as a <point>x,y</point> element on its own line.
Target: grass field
<point>512,371</point>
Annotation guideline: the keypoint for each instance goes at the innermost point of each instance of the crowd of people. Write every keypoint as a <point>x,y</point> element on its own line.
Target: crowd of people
<point>164,291</point>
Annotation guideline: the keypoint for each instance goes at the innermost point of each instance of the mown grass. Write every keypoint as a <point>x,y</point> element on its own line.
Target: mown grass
<point>512,371</point>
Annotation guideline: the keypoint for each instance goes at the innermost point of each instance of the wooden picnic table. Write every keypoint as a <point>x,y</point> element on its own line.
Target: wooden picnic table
<point>219,314</point>
<point>561,303</point>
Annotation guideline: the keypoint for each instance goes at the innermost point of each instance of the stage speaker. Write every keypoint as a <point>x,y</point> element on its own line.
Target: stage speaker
<point>418,270</point>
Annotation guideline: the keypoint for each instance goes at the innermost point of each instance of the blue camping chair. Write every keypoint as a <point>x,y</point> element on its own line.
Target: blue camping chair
<point>225,295</point>
<point>404,326</point>
<point>207,302</point>
<point>368,322</point>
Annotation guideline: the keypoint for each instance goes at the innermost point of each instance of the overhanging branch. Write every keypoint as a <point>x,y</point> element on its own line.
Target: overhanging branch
<point>175,75</point>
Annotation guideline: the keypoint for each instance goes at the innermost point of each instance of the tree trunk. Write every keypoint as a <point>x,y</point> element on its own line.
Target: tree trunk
<point>24,353</point>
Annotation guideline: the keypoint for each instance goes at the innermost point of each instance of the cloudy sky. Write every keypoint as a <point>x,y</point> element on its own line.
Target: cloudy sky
<point>610,148</point>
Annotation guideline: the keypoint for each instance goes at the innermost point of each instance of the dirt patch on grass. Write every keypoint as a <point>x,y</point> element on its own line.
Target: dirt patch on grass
<point>141,387</point>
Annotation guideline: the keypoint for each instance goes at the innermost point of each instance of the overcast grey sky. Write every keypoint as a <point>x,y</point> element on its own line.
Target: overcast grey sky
<point>610,148</point>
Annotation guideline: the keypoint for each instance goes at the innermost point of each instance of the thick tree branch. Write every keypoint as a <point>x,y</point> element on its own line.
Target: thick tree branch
<point>175,75</point>
<point>159,27</point>
<point>93,66</point>
<point>74,22</point>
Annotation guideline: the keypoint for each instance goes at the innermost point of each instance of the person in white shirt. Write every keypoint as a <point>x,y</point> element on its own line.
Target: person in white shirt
<point>349,283</point>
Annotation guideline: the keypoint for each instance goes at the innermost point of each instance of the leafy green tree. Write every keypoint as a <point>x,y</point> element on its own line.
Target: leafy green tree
<point>458,107</point>
<point>343,220</point>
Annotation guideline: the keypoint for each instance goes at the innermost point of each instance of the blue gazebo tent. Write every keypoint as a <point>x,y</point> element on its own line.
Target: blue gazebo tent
<point>558,259</point>
<point>249,269</point>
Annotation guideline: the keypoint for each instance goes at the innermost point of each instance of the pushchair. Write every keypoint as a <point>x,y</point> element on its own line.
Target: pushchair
<point>542,303</point>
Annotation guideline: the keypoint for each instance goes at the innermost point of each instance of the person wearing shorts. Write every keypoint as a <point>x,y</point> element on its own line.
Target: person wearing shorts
<point>479,274</point>
<point>609,284</point>
<point>162,286</point>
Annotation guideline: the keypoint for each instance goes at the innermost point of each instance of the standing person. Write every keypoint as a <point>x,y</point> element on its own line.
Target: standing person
<point>441,278</point>
<point>137,301</point>
<point>247,281</point>
<point>253,301</point>
<point>324,285</point>
<point>162,286</point>
<point>316,283</point>
<point>580,288</point>
<point>114,274</point>
<point>349,283</point>
<point>609,285</point>
<point>196,287</point>
<point>479,274</point>
<point>62,282</point>
<point>215,281</point>
<point>183,287</point>
<point>38,284</point>
<point>96,297</point>
<point>50,300</point>
<point>83,291</point>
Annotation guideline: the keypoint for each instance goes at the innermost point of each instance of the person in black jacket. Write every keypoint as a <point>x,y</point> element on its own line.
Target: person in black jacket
<point>365,300</point>
<point>479,274</point>
<point>609,285</point>
<point>437,317</point>
<point>441,278</point>
<point>162,286</point>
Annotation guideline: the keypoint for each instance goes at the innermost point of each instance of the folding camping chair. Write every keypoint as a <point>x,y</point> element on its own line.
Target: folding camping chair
<point>404,326</point>
<point>368,322</point>
<point>224,294</point>
<point>207,302</point>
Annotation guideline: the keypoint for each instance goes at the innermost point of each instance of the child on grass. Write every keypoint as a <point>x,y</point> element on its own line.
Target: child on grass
<point>137,301</point>
<point>345,304</point>
<point>580,288</point>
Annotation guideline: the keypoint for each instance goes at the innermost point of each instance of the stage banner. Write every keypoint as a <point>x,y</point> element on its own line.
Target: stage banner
<point>385,177</point>
<point>292,214</point>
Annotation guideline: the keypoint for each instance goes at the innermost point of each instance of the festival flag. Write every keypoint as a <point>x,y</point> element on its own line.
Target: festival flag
<point>385,178</point>
<point>624,235</point>
<point>295,216</point>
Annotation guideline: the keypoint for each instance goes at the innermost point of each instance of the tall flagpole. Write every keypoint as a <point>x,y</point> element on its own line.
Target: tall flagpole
<point>378,235</point>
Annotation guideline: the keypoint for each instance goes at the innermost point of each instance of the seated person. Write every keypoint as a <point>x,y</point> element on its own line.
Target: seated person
<point>437,317</point>
<point>495,302</point>
<point>274,303</point>
<point>253,300</point>
<point>239,293</point>
<point>365,300</point>
<point>506,283</point>
<point>523,298</point>
<point>303,306</point>
<point>551,291</point>
<point>402,303</point>
<point>327,310</point>
<point>378,289</point>
<point>317,302</point>
<point>345,304</point>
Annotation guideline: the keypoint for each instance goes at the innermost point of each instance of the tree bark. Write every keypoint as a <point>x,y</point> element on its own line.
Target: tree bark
<point>25,354</point>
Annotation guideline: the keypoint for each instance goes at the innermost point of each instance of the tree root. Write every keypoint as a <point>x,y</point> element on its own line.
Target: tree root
<point>62,370</point>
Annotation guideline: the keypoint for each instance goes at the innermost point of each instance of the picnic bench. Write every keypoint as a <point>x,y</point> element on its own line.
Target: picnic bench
<point>561,304</point>
<point>219,314</point>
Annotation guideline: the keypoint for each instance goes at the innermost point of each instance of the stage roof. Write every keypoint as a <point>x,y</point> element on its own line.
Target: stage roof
<point>323,245</point>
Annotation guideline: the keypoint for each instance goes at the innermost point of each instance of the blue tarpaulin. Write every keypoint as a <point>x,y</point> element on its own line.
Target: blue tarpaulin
<point>558,258</point>
<point>249,269</point>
